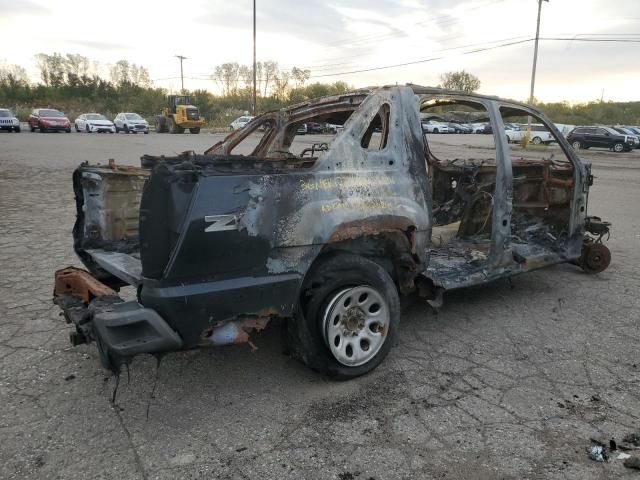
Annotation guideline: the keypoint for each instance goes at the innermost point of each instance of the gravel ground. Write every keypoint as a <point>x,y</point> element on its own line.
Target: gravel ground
<point>505,381</point>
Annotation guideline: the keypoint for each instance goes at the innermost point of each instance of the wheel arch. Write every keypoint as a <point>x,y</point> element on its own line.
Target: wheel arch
<point>391,248</point>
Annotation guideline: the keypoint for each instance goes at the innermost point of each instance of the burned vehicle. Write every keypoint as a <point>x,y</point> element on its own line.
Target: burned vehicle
<point>324,235</point>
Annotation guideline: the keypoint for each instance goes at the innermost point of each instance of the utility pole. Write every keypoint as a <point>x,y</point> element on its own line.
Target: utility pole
<point>255,109</point>
<point>535,62</point>
<point>535,52</point>
<point>181,75</point>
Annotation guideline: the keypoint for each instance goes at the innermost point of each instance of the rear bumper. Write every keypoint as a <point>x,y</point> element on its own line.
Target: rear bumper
<point>120,329</point>
<point>123,330</point>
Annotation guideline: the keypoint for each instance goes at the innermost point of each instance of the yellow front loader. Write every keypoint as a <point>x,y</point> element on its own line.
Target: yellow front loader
<point>178,116</point>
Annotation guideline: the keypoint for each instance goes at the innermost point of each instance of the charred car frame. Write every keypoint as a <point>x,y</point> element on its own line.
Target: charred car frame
<point>219,243</point>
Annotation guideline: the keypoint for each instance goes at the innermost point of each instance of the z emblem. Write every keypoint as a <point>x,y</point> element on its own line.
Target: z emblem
<point>220,223</point>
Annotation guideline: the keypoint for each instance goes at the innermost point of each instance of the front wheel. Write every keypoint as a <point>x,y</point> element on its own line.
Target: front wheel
<point>536,140</point>
<point>126,129</point>
<point>75,125</point>
<point>350,311</point>
<point>435,130</point>
<point>195,130</point>
<point>618,147</point>
<point>576,145</point>
<point>88,130</point>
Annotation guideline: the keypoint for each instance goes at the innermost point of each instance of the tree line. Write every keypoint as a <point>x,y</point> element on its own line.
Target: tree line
<point>76,84</point>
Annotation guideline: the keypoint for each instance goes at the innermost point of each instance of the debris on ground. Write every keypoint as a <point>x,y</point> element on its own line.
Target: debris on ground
<point>632,462</point>
<point>623,456</point>
<point>598,452</point>
<point>630,442</point>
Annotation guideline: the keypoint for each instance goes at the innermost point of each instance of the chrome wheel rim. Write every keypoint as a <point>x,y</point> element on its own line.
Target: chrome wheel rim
<point>618,148</point>
<point>355,325</point>
<point>576,145</point>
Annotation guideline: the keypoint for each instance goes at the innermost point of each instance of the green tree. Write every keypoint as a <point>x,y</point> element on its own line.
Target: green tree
<point>461,80</point>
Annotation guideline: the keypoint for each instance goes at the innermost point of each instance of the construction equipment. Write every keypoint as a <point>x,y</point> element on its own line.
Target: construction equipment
<point>178,116</point>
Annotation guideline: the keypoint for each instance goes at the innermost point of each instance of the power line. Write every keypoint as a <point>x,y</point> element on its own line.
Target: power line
<point>425,60</point>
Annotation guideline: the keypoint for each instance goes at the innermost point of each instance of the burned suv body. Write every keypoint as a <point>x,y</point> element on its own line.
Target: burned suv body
<point>219,243</point>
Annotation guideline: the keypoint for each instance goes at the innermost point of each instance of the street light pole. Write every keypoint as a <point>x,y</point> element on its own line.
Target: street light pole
<point>181,75</point>
<point>254,59</point>
<point>535,52</point>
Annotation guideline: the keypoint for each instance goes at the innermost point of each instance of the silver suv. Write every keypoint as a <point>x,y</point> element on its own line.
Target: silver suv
<point>130,122</point>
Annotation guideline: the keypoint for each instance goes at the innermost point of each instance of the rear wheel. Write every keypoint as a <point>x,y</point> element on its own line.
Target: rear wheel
<point>595,258</point>
<point>195,130</point>
<point>618,147</point>
<point>161,124</point>
<point>349,315</point>
<point>174,127</point>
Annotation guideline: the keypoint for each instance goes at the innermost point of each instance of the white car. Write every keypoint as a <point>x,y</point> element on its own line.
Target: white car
<point>514,133</point>
<point>8,120</point>
<point>240,122</point>
<point>94,122</point>
<point>477,127</point>
<point>130,122</point>
<point>539,133</point>
<point>433,126</point>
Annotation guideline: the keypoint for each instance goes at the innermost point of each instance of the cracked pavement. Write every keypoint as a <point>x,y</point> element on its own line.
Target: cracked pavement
<point>508,380</point>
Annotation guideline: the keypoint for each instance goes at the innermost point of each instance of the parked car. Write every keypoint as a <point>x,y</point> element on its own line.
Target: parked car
<point>628,131</point>
<point>8,121</point>
<point>130,122</point>
<point>327,239</point>
<point>94,122</point>
<point>486,129</point>
<point>48,119</point>
<point>240,122</point>
<point>477,127</point>
<point>538,134</point>
<point>302,129</point>
<point>458,128</point>
<point>600,137</point>
<point>514,133</point>
<point>434,126</point>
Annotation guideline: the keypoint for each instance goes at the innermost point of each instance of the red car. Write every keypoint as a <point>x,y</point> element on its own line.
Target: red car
<point>48,119</point>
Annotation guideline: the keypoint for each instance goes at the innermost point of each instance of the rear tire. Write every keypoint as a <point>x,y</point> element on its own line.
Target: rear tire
<point>195,130</point>
<point>347,318</point>
<point>161,124</point>
<point>174,127</point>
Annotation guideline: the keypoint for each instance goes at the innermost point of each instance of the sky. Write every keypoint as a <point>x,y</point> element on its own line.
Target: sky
<point>332,38</point>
